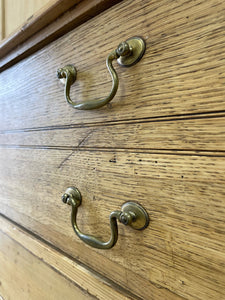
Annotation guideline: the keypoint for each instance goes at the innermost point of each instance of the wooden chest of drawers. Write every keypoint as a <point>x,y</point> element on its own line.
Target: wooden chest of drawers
<point>160,142</point>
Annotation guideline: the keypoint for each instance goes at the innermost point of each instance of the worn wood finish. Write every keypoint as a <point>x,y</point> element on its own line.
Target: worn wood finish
<point>17,13</point>
<point>77,15</point>
<point>28,17</point>
<point>23,276</point>
<point>171,134</point>
<point>182,251</point>
<point>159,142</point>
<point>40,272</point>
<point>182,71</point>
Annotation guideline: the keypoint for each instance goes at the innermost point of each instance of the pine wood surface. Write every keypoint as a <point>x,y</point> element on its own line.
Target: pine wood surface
<point>41,272</point>
<point>182,71</point>
<point>18,11</point>
<point>183,248</point>
<point>24,18</point>
<point>45,27</point>
<point>30,277</point>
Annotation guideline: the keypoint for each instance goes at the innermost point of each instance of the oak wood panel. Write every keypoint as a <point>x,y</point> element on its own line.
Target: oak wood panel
<point>72,18</point>
<point>190,133</point>
<point>182,251</point>
<point>38,271</point>
<point>182,71</point>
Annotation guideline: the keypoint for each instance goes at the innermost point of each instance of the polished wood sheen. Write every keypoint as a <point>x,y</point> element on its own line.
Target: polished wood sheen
<point>160,142</point>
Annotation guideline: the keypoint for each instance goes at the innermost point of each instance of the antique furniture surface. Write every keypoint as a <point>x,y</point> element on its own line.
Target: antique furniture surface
<point>13,14</point>
<point>160,142</point>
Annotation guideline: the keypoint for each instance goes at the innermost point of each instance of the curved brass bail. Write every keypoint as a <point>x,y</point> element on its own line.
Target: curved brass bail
<point>127,54</point>
<point>131,214</point>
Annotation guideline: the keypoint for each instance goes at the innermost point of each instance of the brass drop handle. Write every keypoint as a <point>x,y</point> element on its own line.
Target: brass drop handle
<point>127,54</point>
<point>132,214</point>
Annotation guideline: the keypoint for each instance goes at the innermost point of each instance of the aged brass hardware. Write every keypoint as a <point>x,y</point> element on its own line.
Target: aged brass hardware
<point>127,54</point>
<point>132,214</point>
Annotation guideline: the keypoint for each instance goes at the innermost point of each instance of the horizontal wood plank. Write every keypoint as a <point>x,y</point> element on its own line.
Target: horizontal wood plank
<point>40,272</point>
<point>21,13</point>
<point>182,71</point>
<point>205,134</point>
<point>39,18</point>
<point>182,250</point>
<point>37,33</point>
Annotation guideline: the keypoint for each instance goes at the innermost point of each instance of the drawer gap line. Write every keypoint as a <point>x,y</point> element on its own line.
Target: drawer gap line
<point>172,118</point>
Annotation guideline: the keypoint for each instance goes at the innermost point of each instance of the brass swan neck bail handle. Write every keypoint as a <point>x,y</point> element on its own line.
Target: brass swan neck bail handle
<point>127,54</point>
<point>132,214</point>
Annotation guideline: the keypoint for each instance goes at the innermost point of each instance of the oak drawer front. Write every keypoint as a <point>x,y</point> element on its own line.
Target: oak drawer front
<point>160,142</point>
<point>182,71</point>
<point>182,194</point>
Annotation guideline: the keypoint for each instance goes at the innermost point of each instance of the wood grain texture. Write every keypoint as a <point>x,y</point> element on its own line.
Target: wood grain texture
<point>28,17</point>
<point>40,272</point>
<point>179,134</point>
<point>159,142</point>
<point>31,278</point>
<point>30,40</point>
<point>182,71</point>
<point>182,251</point>
<point>17,13</point>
